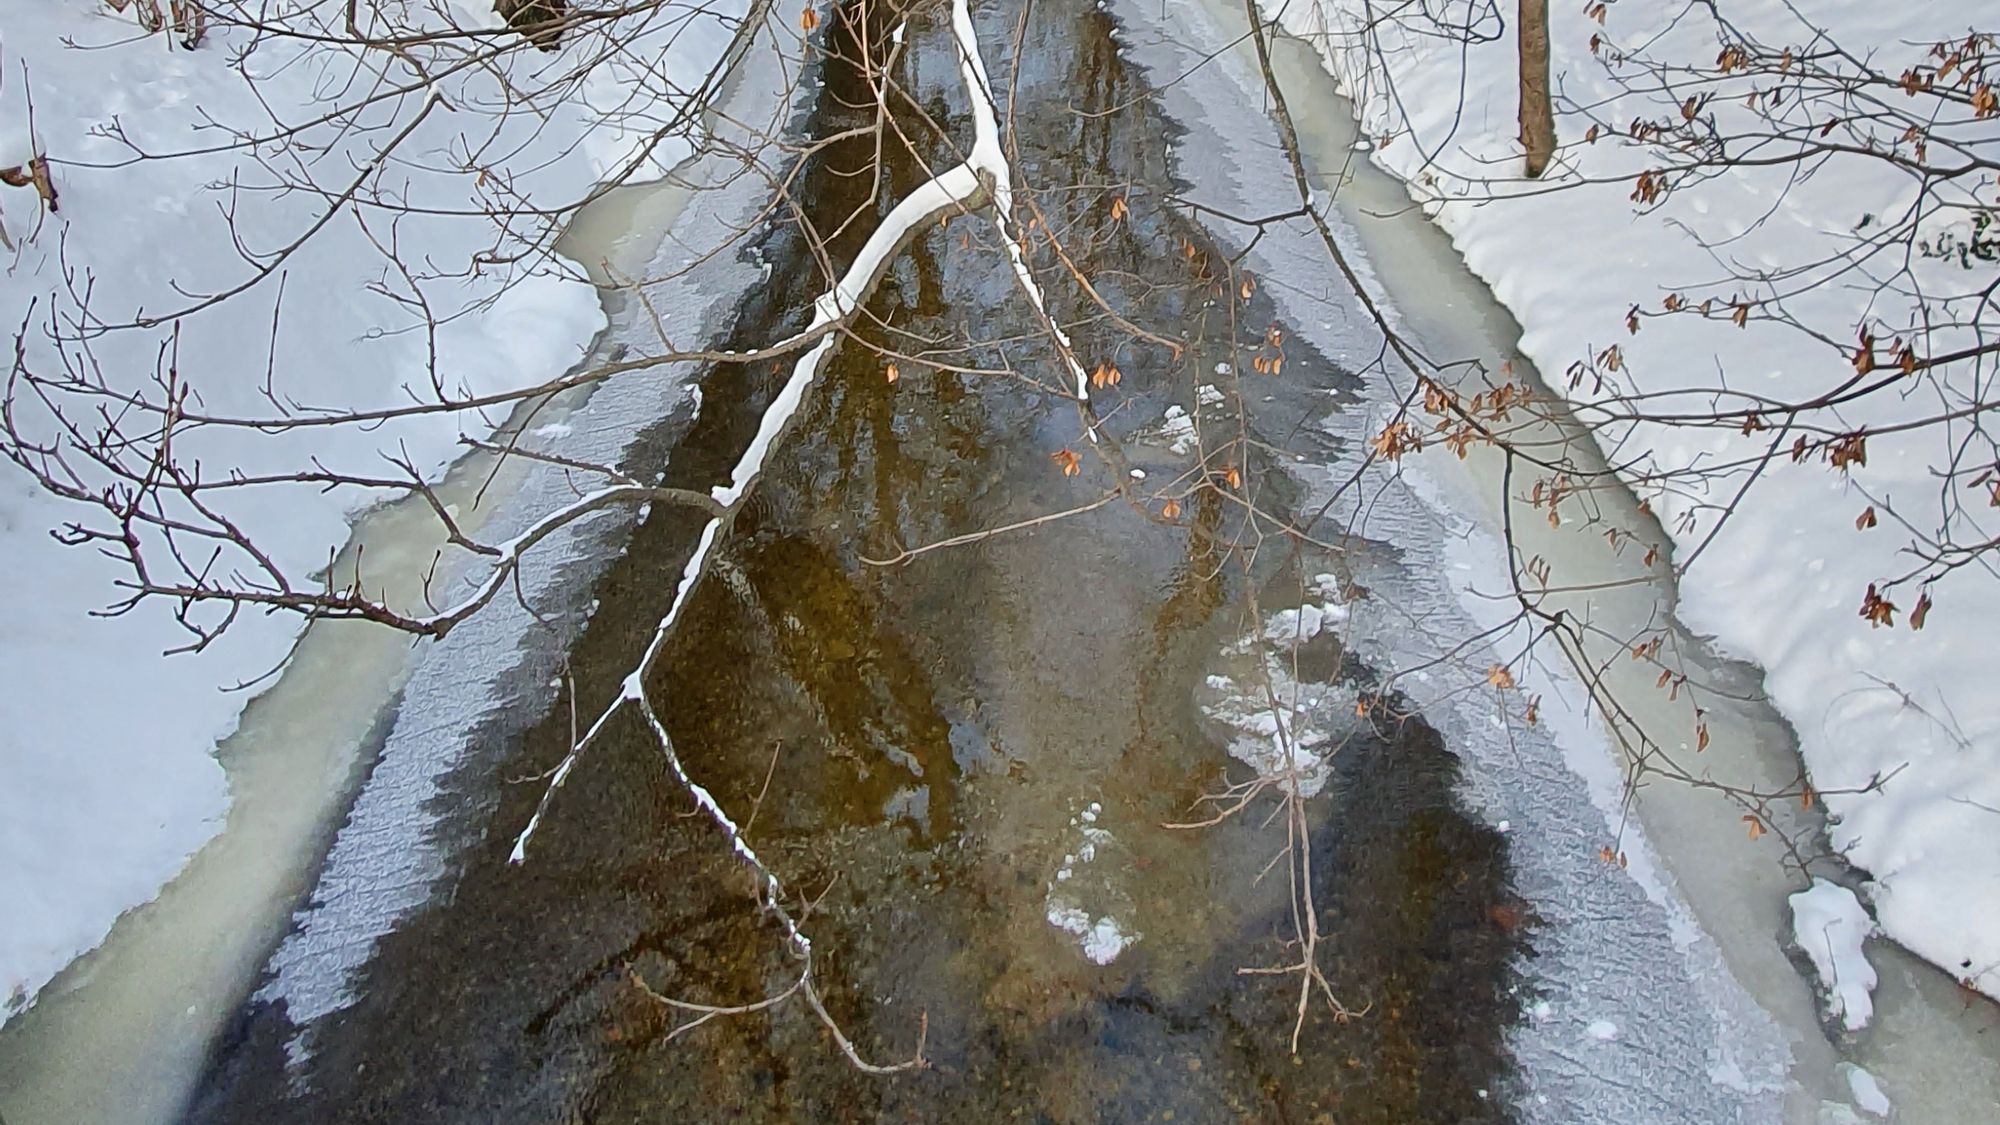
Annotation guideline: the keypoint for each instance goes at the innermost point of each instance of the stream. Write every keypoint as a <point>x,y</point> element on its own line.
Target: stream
<point>963,753</point>
<point>988,769</point>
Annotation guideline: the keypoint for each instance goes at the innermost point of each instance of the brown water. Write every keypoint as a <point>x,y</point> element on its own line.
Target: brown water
<point>934,742</point>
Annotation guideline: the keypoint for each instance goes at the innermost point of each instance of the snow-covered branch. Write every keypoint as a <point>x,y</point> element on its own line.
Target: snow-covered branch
<point>984,177</point>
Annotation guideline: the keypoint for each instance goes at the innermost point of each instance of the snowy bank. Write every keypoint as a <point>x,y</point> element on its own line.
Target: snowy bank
<point>110,782</point>
<point>1779,582</point>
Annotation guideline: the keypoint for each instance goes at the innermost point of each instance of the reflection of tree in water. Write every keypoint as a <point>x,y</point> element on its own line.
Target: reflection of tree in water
<point>1085,155</point>
<point>881,732</point>
<point>795,645</point>
<point>897,462</point>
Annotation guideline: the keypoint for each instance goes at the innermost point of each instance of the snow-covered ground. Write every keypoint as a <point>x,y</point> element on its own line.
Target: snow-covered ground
<point>110,782</point>
<point>1781,582</point>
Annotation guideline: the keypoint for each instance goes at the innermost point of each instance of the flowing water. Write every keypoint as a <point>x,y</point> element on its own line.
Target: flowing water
<point>958,757</point>
<point>978,764</point>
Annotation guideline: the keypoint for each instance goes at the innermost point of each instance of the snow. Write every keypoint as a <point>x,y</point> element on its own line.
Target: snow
<point>1177,430</point>
<point>1867,1092</point>
<point>104,804</point>
<point>1829,925</point>
<point>1304,623</point>
<point>1282,729</point>
<point>1101,940</point>
<point>1086,881</point>
<point>1780,583</point>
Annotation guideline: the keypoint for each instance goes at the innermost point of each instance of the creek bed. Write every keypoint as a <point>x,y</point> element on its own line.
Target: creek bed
<point>954,756</point>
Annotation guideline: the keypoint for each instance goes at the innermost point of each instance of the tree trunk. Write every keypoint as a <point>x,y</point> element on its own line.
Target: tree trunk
<point>1538,116</point>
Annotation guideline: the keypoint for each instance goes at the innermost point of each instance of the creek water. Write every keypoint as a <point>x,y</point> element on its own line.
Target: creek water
<point>969,762</point>
<point>957,757</point>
